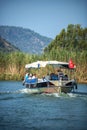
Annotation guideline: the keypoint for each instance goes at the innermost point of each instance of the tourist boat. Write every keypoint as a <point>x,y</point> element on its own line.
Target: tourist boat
<point>54,84</point>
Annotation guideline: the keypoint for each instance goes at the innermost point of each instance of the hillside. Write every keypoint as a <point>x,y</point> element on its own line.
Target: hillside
<point>25,39</point>
<point>6,46</point>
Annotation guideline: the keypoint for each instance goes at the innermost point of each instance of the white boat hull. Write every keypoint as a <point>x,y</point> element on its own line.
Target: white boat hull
<point>51,87</point>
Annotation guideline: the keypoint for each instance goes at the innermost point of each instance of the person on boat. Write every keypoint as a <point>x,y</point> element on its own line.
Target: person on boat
<point>34,79</point>
<point>33,76</point>
<point>65,77</point>
<point>60,74</point>
<point>26,78</point>
<point>47,77</point>
<point>43,78</point>
<point>30,76</point>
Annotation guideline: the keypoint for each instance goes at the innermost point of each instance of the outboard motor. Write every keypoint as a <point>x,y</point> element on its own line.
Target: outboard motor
<point>75,87</point>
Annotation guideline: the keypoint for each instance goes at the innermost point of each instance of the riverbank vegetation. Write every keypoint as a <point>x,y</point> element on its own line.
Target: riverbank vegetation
<point>71,43</point>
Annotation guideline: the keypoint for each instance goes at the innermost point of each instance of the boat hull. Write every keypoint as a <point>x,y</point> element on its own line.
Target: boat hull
<point>48,87</point>
<point>50,90</point>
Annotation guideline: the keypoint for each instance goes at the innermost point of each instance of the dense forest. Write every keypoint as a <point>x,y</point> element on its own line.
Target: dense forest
<point>71,43</point>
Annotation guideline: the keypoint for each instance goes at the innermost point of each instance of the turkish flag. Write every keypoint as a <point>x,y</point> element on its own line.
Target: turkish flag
<point>71,64</point>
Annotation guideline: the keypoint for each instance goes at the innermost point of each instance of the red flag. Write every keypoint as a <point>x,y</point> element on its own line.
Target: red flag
<point>71,64</point>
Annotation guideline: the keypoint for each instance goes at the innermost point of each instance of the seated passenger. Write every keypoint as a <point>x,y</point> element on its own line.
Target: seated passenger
<point>60,74</point>
<point>30,76</point>
<point>31,79</point>
<point>43,78</point>
<point>66,77</point>
<point>47,77</point>
<point>33,76</point>
<point>54,76</point>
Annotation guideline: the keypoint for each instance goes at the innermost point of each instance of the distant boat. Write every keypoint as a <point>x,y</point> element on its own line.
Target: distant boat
<point>55,83</point>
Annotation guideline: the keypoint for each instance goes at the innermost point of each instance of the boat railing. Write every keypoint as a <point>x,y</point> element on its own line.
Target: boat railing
<point>31,82</point>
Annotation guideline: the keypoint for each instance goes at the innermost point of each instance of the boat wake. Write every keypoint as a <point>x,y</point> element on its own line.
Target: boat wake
<point>59,95</point>
<point>15,92</point>
<point>28,91</point>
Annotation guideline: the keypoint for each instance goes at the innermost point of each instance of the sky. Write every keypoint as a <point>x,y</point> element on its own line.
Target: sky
<point>46,17</point>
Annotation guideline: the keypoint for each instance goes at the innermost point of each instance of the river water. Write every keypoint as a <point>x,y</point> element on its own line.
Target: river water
<point>20,110</point>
